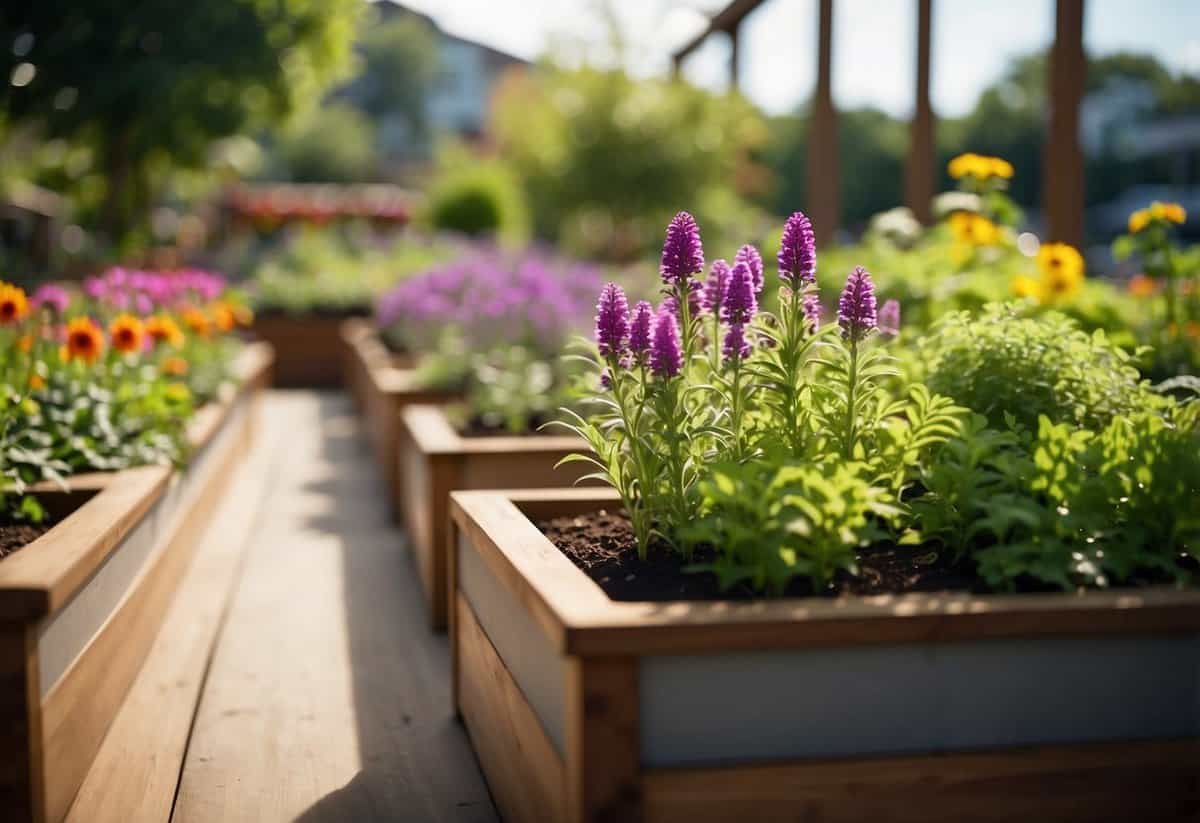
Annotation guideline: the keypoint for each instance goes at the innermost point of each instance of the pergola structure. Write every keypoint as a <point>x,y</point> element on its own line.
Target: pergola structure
<point>1062,194</point>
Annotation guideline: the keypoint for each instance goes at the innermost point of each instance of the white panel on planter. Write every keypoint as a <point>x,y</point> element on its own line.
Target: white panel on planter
<point>917,698</point>
<point>68,632</point>
<point>540,672</point>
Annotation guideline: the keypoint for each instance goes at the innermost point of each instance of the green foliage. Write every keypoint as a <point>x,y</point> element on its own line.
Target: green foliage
<point>606,159</point>
<point>1005,362</point>
<point>476,196</point>
<point>401,63</point>
<point>333,144</point>
<point>774,523</point>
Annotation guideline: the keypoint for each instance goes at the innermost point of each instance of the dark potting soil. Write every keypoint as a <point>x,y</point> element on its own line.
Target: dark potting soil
<point>477,427</point>
<point>16,536</point>
<point>603,546</point>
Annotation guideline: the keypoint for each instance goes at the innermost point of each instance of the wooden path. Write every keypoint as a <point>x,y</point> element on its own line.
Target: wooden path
<point>325,698</point>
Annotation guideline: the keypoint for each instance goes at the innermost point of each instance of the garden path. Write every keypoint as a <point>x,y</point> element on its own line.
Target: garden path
<point>327,698</point>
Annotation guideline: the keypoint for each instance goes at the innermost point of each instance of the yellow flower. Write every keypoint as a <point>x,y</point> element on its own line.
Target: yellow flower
<point>197,321</point>
<point>175,366</point>
<point>1061,267</point>
<point>1141,285</point>
<point>979,166</point>
<point>13,304</point>
<point>36,382</point>
<point>1139,220</point>
<point>85,341</point>
<point>127,334</point>
<point>1171,212</point>
<point>1025,286</point>
<point>178,392</point>
<point>162,328</point>
<point>973,229</point>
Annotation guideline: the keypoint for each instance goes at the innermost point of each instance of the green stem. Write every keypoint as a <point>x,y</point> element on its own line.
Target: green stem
<point>736,400</point>
<point>851,388</point>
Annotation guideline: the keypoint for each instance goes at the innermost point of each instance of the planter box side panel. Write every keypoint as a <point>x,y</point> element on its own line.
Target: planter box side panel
<point>21,777</point>
<point>308,350</point>
<point>538,670</point>
<point>917,698</point>
<point>1106,782</point>
<point>424,502</point>
<point>520,470</point>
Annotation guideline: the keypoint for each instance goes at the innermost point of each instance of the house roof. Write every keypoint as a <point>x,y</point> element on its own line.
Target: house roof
<point>390,8</point>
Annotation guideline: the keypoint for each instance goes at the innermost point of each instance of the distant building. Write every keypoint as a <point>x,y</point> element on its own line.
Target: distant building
<point>461,95</point>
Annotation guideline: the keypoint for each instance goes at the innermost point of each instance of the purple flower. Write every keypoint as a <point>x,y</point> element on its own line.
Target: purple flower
<point>798,252</point>
<point>812,312</point>
<point>52,296</point>
<point>666,356</point>
<point>717,285</point>
<point>682,254</point>
<point>695,296</point>
<point>735,345</point>
<point>856,307</point>
<point>889,318</point>
<point>612,320</point>
<point>605,378</point>
<point>740,303</point>
<point>749,255</point>
<point>641,331</point>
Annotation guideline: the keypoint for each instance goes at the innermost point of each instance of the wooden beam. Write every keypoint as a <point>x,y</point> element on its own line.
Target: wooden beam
<point>735,41</point>
<point>1062,177</point>
<point>920,176</point>
<point>823,192</point>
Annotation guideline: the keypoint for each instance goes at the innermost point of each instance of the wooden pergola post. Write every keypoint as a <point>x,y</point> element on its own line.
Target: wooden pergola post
<point>1062,176</point>
<point>824,207</point>
<point>919,173</point>
<point>734,64</point>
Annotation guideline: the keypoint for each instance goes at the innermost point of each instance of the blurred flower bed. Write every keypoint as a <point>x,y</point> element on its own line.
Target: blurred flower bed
<point>106,376</point>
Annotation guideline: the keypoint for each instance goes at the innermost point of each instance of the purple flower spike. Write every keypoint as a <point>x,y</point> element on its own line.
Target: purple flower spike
<point>749,255</point>
<point>812,312</point>
<point>612,320</point>
<point>716,287</point>
<point>682,254</point>
<point>889,318</point>
<point>695,300</point>
<point>666,356</point>
<point>856,307</point>
<point>798,252</point>
<point>735,345</point>
<point>740,303</point>
<point>641,331</point>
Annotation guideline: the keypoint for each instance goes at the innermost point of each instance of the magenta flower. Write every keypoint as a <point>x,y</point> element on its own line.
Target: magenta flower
<point>612,320</point>
<point>51,296</point>
<point>735,345</point>
<point>798,252</point>
<point>812,312</point>
<point>695,298</point>
<point>666,355</point>
<point>740,303</point>
<point>682,254</point>
<point>856,307</point>
<point>641,331</point>
<point>715,288</point>
<point>889,318</point>
<point>749,255</point>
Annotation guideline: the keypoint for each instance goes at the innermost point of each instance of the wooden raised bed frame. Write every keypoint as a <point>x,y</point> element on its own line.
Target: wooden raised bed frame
<point>308,348</point>
<point>382,384</point>
<point>81,605</point>
<point>585,709</point>
<point>436,460</point>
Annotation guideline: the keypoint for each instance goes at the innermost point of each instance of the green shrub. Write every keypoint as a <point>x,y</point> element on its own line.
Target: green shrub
<point>476,196</point>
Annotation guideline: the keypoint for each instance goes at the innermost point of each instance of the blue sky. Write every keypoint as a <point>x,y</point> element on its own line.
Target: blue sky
<point>873,41</point>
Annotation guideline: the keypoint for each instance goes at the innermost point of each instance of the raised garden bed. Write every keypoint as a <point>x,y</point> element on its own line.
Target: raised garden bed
<point>435,459</point>
<point>915,707</point>
<point>308,348</point>
<point>80,606</point>
<point>382,384</point>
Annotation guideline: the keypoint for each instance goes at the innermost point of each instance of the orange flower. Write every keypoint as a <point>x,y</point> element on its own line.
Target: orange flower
<point>25,343</point>
<point>244,314</point>
<point>223,316</point>
<point>127,334</point>
<point>36,382</point>
<point>197,321</point>
<point>175,366</point>
<point>13,304</point>
<point>163,329</point>
<point>1141,285</point>
<point>85,341</point>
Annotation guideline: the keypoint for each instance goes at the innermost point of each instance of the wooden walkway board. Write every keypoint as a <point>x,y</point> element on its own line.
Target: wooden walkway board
<point>327,698</point>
